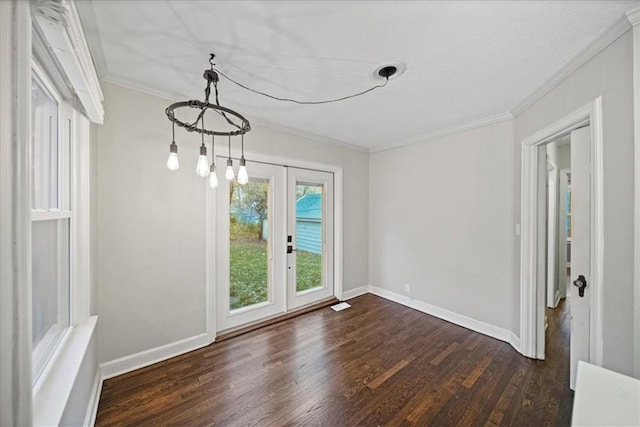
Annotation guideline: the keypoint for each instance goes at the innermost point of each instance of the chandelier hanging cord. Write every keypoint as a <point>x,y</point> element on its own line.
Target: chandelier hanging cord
<point>212,77</point>
<point>328,101</point>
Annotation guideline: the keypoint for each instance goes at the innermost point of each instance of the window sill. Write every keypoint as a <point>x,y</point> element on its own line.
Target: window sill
<point>51,394</point>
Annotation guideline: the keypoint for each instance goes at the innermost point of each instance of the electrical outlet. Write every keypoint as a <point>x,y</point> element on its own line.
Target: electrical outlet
<point>407,287</point>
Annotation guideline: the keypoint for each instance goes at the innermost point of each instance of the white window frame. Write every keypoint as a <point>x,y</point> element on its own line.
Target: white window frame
<point>44,352</point>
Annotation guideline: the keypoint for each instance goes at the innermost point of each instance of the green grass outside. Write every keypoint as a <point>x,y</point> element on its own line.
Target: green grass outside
<point>309,270</point>
<point>249,267</point>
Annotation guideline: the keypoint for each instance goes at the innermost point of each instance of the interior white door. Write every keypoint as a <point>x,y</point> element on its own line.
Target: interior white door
<point>250,246</point>
<point>580,233</point>
<point>309,237</point>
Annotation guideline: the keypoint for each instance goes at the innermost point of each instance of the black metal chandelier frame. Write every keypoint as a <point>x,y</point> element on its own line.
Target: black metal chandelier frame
<point>212,78</point>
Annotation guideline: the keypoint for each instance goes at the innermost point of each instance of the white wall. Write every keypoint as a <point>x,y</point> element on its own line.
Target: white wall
<point>151,223</point>
<point>441,221</point>
<point>564,156</point>
<point>443,211</point>
<point>608,74</point>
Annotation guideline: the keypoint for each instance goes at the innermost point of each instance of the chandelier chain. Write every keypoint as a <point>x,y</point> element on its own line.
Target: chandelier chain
<point>215,87</point>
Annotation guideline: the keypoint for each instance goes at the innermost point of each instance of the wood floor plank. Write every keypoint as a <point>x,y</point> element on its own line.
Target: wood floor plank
<point>443,355</point>
<point>475,374</point>
<point>377,363</point>
<point>387,374</point>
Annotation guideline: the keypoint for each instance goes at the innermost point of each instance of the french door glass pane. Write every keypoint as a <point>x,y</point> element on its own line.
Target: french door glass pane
<point>309,236</point>
<point>44,140</point>
<point>249,243</point>
<point>50,287</point>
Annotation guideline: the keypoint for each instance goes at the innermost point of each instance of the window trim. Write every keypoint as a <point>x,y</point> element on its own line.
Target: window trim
<point>45,352</point>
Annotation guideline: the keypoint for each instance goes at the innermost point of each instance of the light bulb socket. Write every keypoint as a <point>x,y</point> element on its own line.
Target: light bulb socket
<point>229,162</point>
<point>243,162</point>
<point>212,168</point>
<point>203,150</point>
<point>173,147</point>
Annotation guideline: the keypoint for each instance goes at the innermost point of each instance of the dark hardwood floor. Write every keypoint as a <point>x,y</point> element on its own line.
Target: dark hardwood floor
<point>375,363</point>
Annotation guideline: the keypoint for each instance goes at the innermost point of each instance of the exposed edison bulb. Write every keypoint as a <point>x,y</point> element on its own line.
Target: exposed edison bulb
<point>172,162</point>
<point>243,176</point>
<point>202,167</point>
<point>229,173</point>
<point>213,177</point>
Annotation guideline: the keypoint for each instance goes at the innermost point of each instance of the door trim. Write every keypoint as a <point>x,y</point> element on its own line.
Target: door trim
<point>634,18</point>
<point>210,226</point>
<point>532,291</point>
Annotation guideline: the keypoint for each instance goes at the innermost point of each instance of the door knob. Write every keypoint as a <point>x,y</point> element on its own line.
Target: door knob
<point>580,283</point>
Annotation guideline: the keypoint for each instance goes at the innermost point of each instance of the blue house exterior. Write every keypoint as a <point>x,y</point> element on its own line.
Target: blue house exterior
<point>309,223</point>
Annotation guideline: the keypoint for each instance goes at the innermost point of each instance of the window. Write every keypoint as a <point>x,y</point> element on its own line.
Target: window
<point>51,222</point>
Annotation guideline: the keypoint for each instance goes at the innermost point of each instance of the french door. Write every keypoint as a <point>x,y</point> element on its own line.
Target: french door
<point>274,238</point>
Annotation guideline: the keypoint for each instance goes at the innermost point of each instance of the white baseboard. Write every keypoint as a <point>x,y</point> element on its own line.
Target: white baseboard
<point>449,316</point>
<point>94,400</point>
<point>352,293</point>
<point>149,357</point>
<point>514,341</point>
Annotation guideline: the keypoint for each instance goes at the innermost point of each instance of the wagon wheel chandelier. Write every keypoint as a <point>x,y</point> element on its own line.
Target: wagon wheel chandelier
<point>238,123</point>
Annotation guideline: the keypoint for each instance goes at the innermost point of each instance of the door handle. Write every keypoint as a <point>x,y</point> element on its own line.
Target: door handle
<point>580,283</point>
<point>290,249</point>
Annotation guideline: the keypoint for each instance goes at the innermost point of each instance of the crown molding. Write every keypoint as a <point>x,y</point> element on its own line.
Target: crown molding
<point>634,16</point>
<point>585,55</point>
<point>138,86</point>
<point>141,87</point>
<point>447,131</point>
<point>311,136</point>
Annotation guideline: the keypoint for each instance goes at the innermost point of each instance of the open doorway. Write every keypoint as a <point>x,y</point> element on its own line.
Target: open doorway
<point>558,254</point>
<point>558,220</point>
<point>586,257</point>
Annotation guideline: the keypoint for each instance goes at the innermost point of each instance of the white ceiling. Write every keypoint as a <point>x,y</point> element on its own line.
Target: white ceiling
<point>466,61</point>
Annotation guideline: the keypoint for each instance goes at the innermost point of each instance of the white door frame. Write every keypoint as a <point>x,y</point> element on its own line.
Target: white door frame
<point>553,281</point>
<point>210,225</point>
<point>532,291</point>
<point>562,233</point>
<point>634,18</point>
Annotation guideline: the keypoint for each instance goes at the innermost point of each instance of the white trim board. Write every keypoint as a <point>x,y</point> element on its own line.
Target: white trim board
<point>444,314</point>
<point>145,358</point>
<point>94,400</point>
<point>446,131</point>
<point>60,24</point>
<point>352,293</point>
<point>531,316</point>
<point>596,46</point>
<point>441,313</point>
<point>634,18</point>
<point>52,391</point>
